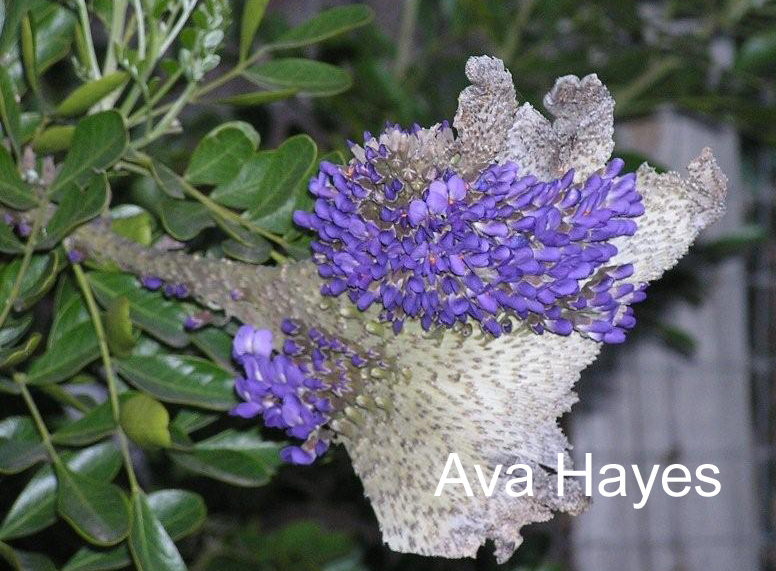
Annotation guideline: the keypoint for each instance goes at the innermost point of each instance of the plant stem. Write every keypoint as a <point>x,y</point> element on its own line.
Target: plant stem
<point>409,19</point>
<point>187,10</point>
<point>29,248</point>
<point>141,40</point>
<point>116,29</point>
<point>83,13</point>
<point>164,122</point>
<point>45,436</point>
<point>102,340</point>
<point>515,32</point>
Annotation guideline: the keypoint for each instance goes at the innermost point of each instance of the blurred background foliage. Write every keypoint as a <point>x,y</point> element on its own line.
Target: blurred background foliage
<point>198,124</point>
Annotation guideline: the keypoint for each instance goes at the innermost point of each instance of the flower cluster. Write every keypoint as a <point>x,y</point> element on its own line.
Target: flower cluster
<point>174,290</point>
<point>502,246</point>
<point>311,389</point>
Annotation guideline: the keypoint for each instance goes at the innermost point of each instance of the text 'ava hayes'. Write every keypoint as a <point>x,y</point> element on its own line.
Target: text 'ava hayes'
<point>517,480</point>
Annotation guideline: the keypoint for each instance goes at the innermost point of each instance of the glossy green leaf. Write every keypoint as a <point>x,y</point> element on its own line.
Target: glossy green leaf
<point>14,192</point>
<point>29,60</point>
<point>91,427</point>
<point>133,223</point>
<point>180,512</point>
<point>151,546</point>
<point>14,11</point>
<point>35,507</point>
<point>286,176</point>
<point>189,419</point>
<point>99,140</point>
<point>54,25</point>
<point>180,379</point>
<point>84,96</point>
<point>96,509</point>
<point>215,343</point>
<point>328,23</point>
<point>30,121</point>
<point>150,311</point>
<point>36,273</point>
<point>184,219</point>
<point>77,348</point>
<point>253,12</point>
<point>13,329</point>
<point>55,262</point>
<point>69,310</point>
<point>238,458</point>
<point>243,190</point>
<point>168,180</point>
<point>118,327</point>
<point>54,139</point>
<point>146,421</point>
<point>9,243</point>
<point>76,207</point>
<point>258,97</point>
<point>220,154</point>
<point>9,110</point>
<point>25,560</point>
<point>257,253</point>
<point>12,356</point>
<point>20,444</point>
<point>307,76</point>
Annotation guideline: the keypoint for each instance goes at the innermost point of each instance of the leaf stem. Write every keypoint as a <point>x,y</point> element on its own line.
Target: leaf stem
<point>45,436</point>
<point>169,117</point>
<point>102,340</point>
<point>83,14</point>
<point>29,248</point>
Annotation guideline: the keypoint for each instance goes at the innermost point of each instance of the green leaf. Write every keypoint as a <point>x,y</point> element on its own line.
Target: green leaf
<point>150,311</point>
<point>257,253</point>
<point>35,507</point>
<point>258,97</point>
<point>168,180</point>
<point>151,546</point>
<point>84,96</point>
<point>44,282</point>
<point>184,219</point>
<point>237,458</point>
<point>189,419</point>
<point>38,271</point>
<point>133,223</point>
<point>118,327</point>
<point>757,53</point>
<point>219,154</point>
<point>99,141</point>
<point>328,23</point>
<point>77,348</point>
<point>70,310</point>
<point>91,427</point>
<point>96,509</point>
<point>13,329</point>
<point>29,60</point>
<point>88,559</point>
<point>12,356</point>
<point>214,343</point>
<point>76,207</point>
<point>180,379</point>
<point>146,421</point>
<point>243,190</point>
<point>9,243</point>
<point>253,12</point>
<point>20,444</point>
<point>13,190</point>
<point>180,512</point>
<point>307,76</point>
<point>286,176</point>
<point>14,11</point>
<point>54,139</point>
<point>26,560</point>
<point>9,109</point>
